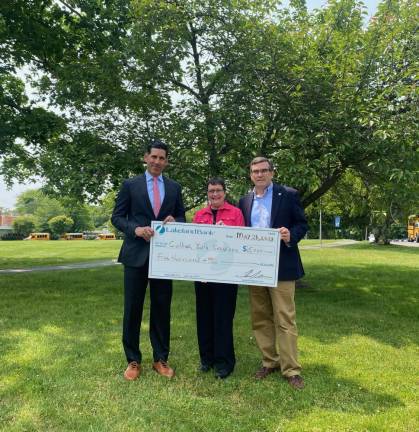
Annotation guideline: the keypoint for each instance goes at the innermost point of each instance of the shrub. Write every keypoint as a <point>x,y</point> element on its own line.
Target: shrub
<point>24,225</point>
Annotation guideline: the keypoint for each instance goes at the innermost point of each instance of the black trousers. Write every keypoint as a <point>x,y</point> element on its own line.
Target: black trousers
<point>135,286</point>
<point>215,308</point>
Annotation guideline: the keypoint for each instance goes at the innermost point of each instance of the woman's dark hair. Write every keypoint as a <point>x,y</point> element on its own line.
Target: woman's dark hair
<point>217,181</point>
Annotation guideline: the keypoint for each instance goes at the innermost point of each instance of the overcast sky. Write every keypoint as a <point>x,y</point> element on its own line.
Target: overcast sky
<point>8,197</point>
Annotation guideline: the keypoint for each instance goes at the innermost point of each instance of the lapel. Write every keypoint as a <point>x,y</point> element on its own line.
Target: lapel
<point>248,202</point>
<point>277,194</point>
<point>144,191</point>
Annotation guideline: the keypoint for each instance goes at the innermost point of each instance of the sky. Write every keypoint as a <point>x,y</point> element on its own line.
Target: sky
<point>8,196</point>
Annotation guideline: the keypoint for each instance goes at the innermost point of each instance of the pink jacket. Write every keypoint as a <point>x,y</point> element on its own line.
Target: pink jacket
<point>227,213</point>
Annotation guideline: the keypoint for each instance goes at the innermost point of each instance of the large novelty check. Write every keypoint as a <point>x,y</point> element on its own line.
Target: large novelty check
<point>214,253</point>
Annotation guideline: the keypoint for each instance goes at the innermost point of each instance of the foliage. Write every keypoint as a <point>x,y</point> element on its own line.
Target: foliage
<point>60,224</point>
<point>365,207</point>
<point>24,225</point>
<point>221,81</point>
<point>79,213</point>
<point>12,236</point>
<point>42,207</point>
<point>101,213</point>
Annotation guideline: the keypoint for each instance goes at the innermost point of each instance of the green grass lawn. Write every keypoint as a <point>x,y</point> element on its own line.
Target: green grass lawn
<point>23,254</point>
<point>62,362</point>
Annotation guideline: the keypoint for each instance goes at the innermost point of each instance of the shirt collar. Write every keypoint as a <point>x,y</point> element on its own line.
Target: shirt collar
<point>149,177</point>
<point>265,192</point>
<point>208,208</point>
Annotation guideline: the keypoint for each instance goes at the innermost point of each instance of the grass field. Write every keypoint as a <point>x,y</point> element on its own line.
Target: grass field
<point>61,357</point>
<point>21,254</point>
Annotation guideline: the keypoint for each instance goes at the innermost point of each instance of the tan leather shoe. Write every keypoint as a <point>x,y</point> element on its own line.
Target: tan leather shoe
<point>162,368</point>
<point>132,371</point>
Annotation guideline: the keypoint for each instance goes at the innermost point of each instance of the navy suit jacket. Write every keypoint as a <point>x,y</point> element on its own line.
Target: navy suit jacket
<point>286,212</point>
<point>133,209</point>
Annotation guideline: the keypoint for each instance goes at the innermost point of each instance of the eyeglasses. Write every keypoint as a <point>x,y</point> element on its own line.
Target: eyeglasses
<point>261,171</point>
<point>213,191</point>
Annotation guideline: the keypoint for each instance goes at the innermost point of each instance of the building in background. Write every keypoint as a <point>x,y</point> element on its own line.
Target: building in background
<point>6,222</point>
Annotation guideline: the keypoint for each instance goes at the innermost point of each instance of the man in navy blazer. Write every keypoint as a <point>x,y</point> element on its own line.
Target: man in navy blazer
<point>149,196</point>
<point>271,205</point>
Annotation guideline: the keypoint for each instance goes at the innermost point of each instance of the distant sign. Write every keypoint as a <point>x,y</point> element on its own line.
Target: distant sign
<point>337,221</point>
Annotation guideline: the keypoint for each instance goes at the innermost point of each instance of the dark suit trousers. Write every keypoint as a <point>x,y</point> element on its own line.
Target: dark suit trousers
<point>215,308</point>
<point>135,286</point>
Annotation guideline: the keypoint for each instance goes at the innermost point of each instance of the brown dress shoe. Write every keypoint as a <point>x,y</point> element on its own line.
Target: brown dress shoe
<point>162,368</point>
<point>264,371</point>
<point>132,371</point>
<point>296,382</point>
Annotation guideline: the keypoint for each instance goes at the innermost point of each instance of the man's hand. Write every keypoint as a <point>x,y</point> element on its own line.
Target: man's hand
<point>169,218</point>
<point>285,234</point>
<point>144,232</point>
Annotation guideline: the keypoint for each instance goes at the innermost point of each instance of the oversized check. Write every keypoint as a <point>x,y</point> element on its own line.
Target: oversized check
<point>214,253</point>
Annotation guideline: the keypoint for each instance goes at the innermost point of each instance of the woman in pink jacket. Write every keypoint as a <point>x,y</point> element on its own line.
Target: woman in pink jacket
<point>216,302</point>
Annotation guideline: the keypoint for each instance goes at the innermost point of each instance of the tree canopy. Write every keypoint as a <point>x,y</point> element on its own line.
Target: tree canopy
<point>321,93</point>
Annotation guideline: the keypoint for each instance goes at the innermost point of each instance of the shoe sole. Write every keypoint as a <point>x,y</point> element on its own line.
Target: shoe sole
<point>166,376</point>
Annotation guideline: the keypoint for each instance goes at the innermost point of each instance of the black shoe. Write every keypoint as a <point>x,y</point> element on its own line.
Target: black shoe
<point>222,373</point>
<point>204,367</point>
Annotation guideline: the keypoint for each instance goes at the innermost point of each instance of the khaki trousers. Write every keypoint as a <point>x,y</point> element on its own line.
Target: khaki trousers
<point>274,326</point>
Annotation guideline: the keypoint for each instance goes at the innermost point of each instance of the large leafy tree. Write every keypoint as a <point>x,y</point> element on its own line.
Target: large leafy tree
<point>222,81</point>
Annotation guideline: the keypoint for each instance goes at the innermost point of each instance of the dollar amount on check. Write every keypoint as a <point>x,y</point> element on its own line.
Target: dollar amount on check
<point>214,253</point>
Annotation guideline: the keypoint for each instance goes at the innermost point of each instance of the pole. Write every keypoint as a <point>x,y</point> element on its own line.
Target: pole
<point>320,222</point>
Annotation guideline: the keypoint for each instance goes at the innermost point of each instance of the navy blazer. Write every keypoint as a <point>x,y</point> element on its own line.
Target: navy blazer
<point>133,209</point>
<point>286,212</point>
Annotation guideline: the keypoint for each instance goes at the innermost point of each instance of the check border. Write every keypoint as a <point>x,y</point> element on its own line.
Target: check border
<point>183,270</point>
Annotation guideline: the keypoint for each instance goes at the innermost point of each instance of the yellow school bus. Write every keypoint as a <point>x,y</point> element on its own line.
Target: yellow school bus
<point>39,236</point>
<point>73,236</point>
<point>107,236</point>
<point>413,228</point>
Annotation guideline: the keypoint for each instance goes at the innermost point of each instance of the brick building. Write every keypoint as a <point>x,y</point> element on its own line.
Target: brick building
<point>6,223</point>
<point>6,220</point>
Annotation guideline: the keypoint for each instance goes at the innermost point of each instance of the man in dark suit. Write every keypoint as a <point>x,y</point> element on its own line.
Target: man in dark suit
<point>273,309</point>
<point>144,198</point>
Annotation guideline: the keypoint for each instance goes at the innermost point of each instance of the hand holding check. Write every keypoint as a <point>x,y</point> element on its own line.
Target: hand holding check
<point>147,232</point>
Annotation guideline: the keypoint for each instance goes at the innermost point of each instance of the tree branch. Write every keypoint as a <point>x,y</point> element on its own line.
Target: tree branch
<point>327,184</point>
<point>71,8</point>
<point>185,87</point>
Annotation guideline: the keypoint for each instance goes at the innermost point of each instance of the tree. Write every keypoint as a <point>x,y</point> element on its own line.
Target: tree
<point>222,82</point>
<point>22,124</point>
<point>42,207</point>
<point>24,225</point>
<point>101,214</point>
<point>60,225</point>
<point>79,213</point>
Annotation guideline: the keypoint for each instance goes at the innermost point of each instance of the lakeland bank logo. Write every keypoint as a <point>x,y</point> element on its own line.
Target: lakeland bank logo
<point>160,229</point>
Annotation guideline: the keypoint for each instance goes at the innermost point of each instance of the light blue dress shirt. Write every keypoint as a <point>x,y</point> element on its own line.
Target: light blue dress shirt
<point>160,182</point>
<point>261,209</point>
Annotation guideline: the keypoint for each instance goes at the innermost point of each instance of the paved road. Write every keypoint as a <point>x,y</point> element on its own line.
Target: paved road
<point>106,263</point>
<point>404,243</point>
<point>337,243</point>
<point>83,265</point>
